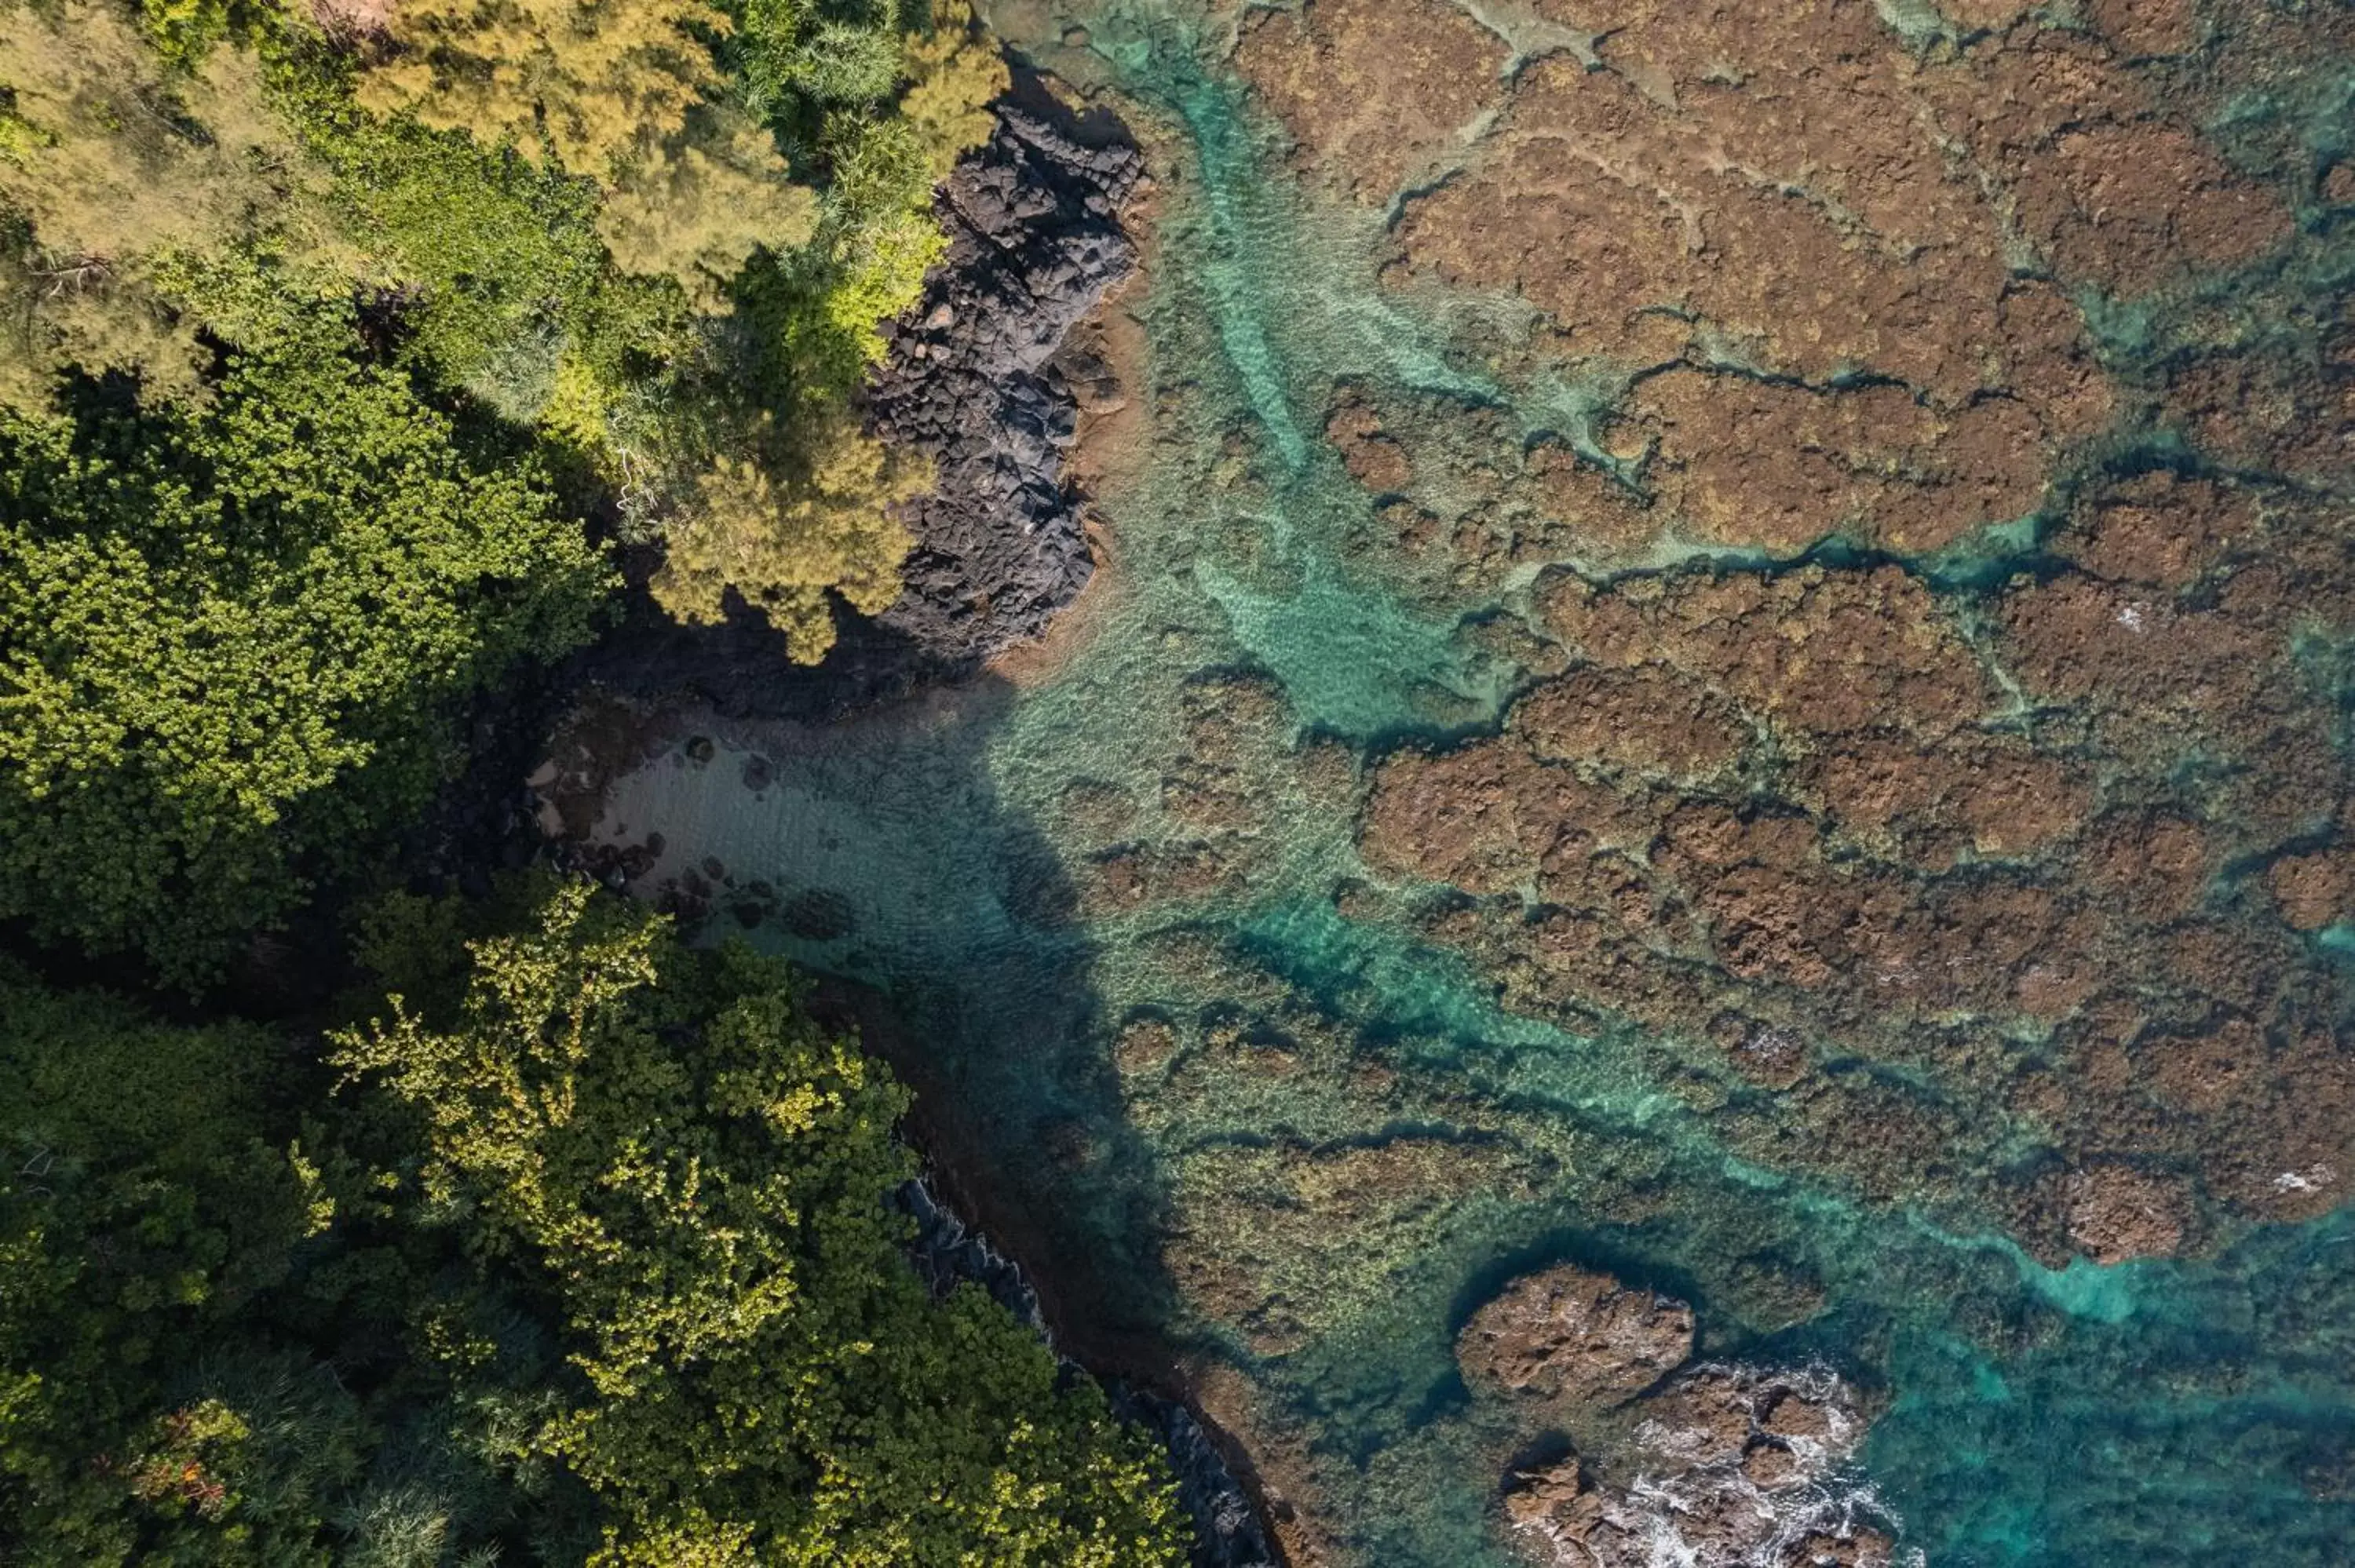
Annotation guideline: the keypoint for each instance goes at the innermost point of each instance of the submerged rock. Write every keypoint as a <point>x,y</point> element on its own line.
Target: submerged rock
<point>1635,1458</point>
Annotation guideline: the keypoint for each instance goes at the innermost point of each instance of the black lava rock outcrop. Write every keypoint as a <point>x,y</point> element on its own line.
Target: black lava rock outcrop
<point>1035,240</point>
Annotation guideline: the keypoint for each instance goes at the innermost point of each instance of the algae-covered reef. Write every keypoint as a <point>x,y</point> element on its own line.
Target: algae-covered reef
<point>1726,671</point>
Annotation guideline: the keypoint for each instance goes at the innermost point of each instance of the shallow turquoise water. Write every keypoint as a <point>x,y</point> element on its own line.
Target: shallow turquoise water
<point>2150,1414</point>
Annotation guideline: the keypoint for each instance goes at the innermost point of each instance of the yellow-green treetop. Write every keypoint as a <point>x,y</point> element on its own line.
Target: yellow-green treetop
<point>783,544</point>
<point>696,204</point>
<point>621,91</point>
<point>588,83</point>
<point>108,170</point>
<point>954,73</point>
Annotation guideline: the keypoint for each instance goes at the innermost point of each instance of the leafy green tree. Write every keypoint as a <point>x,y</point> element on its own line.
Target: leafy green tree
<point>494,265</point>
<point>694,1173</point>
<point>821,305</point>
<point>145,1211</point>
<point>233,638</point>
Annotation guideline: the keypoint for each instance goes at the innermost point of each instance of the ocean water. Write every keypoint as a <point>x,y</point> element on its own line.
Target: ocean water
<point>1228,1085</point>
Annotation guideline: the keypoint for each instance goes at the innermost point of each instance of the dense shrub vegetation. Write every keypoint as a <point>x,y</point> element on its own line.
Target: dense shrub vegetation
<point>591,1261</point>
<point>264,274</point>
<point>336,342</point>
<point>232,636</point>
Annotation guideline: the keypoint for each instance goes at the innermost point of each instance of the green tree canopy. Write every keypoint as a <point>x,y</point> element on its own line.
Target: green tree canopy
<point>233,638</point>
<point>591,1260</point>
<point>145,1211</point>
<point>696,1173</point>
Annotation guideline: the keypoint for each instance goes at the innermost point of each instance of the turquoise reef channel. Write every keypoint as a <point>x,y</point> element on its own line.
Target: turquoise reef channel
<point>1269,1102</point>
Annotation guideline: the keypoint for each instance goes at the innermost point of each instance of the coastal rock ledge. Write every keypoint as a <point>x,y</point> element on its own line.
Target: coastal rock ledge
<point>971,379</point>
<point>1636,1455</point>
<point>1035,242</point>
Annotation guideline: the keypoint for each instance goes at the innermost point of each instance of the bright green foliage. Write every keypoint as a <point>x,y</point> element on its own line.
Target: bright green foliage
<point>798,57</point>
<point>497,265</point>
<point>952,76</point>
<point>598,1248</point>
<point>231,639</point>
<point>697,207</point>
<point>876,237</point>
<point>583,83</point>
<point>695,1174</point>
<point>185,31</point>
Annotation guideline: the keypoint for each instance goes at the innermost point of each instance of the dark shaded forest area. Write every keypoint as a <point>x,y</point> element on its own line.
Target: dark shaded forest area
<point>348,353</point>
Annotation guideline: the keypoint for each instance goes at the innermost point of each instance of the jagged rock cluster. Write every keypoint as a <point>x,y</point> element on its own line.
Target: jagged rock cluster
<point>1035,240</point>
<point>1718,1467</point>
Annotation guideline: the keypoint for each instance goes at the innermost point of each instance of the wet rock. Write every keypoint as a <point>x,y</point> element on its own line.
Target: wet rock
<point>1712,1483</point>
<point>2316,889</point>
<point>1371,454</point>
<point>818,915</point>
<point>1648,719</point>
<point>1571,1335</point>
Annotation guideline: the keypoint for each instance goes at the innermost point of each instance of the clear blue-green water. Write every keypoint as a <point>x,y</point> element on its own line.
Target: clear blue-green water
<point>1277,1130</point>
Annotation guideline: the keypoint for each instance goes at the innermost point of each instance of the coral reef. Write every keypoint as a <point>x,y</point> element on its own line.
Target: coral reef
<point>2022,844</point>
<point>1823,267</point>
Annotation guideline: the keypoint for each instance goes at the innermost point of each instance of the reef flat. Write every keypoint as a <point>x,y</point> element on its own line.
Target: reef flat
<point>1727,739</point>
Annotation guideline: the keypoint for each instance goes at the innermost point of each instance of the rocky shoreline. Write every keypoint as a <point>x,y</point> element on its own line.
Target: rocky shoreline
<point>973,380</point>
<point>976,379</point>
<point>1228,1532</point>
<point>1003,374</point>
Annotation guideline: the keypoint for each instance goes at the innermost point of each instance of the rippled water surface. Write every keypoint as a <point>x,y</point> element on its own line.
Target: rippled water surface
<point>1120,906</point>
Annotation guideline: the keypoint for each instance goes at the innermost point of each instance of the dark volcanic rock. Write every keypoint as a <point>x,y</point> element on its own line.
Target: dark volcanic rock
<point>1035,240</point>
